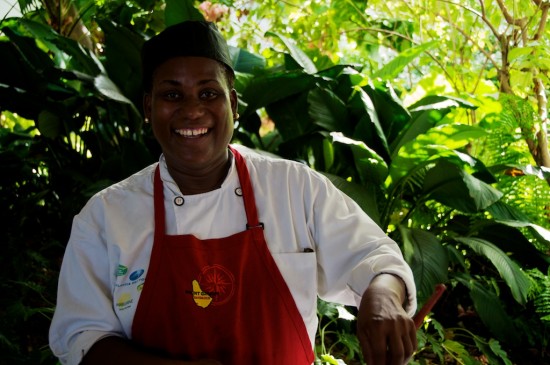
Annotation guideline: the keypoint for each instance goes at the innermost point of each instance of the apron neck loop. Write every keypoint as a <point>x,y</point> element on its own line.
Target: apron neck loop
<point>246,186</point>
<point>248,192</point>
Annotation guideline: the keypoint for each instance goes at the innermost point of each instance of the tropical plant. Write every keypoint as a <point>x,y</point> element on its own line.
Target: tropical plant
<point>439,185</point>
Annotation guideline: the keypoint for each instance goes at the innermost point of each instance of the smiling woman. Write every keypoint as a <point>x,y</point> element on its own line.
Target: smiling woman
<point>225,250</point>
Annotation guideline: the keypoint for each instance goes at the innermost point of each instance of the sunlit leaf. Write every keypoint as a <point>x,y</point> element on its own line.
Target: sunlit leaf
<point>108,88</point>
<point>297,54</point>
<point>343,313</point>
<point>392,69</point>
<point>425,114</point>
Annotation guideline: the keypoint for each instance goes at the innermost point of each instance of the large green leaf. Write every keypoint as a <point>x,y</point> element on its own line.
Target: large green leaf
<point>291,117</point>
<point>122,59</point>
<point>328,111</point>
<point>450,185</point>
<point>392,114</point>
<point>246,62</point>
<point>280,85</point>
<point>512,274</point>
<point>427,257</point>
<point>502,211</point>
<point>49,124</point>
<point>370,166</point>
<point>368,128</point>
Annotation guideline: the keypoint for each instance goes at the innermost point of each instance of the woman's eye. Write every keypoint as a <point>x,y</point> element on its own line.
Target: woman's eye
<point>208,94</point>
<point>171,95</point>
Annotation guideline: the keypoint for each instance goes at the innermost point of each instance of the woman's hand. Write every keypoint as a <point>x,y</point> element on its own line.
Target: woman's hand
<point>386,333</point>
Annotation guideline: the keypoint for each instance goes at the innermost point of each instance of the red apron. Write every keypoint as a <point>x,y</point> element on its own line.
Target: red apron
<point>222,299</point>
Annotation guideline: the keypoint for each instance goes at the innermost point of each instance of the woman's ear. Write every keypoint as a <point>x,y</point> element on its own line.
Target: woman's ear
<point>234,102</point>
<point>147,106</point>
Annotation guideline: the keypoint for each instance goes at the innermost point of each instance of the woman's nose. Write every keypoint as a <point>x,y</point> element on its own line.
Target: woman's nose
<point>192,108</point>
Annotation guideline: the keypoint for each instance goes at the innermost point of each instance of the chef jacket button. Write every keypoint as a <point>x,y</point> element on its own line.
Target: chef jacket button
<point>178,200</point>
<point>239,191</point>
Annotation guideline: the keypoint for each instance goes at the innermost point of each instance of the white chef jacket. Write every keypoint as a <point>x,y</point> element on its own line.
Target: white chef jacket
<point>107,256</point>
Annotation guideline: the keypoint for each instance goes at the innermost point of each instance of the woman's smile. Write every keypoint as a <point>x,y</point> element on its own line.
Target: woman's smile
<point>192,132</point>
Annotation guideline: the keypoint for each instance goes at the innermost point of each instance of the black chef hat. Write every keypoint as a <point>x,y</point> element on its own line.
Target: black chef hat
<point>196,38</point>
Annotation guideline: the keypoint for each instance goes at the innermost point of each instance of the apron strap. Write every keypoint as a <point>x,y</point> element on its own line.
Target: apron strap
<point>248,192</point>
<point>160,220</point>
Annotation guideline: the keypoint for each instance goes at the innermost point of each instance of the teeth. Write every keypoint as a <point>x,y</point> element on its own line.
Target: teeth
<point>191,132</point>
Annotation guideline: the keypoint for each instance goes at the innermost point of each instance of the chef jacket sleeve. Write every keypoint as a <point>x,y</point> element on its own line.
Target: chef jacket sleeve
<point>352,249</point>
<point>84,312</point>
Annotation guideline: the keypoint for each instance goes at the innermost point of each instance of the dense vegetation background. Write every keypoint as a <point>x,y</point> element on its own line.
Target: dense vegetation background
<point>431,114</point>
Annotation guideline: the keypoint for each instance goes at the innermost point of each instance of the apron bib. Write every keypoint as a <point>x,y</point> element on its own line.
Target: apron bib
<point>223,299</point>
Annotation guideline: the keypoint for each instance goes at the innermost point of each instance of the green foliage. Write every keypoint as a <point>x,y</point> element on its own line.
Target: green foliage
<point>335,334</point>
<point>460,345</point>
<point>435,198</point>
<point>541,294</point>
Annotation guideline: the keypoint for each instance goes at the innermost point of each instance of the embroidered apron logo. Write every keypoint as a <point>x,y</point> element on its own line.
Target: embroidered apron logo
<point>136,274</point>
<point>121,270</point>
<point>214,286</point>
<point>124,301</point>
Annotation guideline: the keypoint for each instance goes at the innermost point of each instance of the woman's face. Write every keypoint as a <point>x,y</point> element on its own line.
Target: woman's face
<point>191,110</point>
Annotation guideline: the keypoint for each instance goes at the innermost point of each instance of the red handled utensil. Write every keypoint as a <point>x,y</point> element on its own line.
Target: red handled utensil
<point>419,317</point>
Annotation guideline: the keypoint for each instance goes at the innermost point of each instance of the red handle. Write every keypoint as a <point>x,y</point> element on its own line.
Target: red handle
<point>419,317</point>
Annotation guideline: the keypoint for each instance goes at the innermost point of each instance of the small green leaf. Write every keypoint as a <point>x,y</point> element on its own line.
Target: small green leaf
<point>330,359</point>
